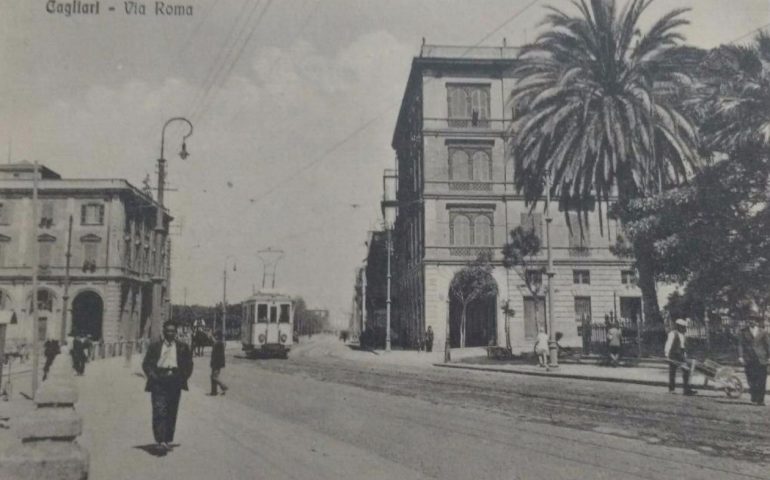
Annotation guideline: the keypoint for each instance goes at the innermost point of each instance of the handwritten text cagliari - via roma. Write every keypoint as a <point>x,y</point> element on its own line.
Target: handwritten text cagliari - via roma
<point>78,7</point>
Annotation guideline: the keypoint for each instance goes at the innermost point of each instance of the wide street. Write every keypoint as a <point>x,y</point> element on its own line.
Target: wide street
<point>452,424</point>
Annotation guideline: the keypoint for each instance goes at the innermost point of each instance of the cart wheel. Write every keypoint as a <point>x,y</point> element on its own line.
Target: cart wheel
<point>733,387</point>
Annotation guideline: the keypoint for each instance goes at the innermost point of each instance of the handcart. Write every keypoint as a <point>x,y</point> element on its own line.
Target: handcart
<point>724,378</point>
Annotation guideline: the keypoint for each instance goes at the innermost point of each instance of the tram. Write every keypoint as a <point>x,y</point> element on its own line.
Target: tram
<point>268,325</point>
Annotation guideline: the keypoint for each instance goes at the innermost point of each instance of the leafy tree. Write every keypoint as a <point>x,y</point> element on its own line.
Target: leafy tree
<point>594,112</point>
<point>473,282</point>
<point>519,252</point>
<point>713,235</point>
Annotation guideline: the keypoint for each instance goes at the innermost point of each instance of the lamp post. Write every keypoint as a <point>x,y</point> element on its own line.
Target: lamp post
<point>160,227</point>
<point>389,207</point>
<point>224,295</point>
<point>552,346</point>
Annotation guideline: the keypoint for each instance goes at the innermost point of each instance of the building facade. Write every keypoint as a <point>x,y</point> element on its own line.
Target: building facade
<point>115,287</point>
<point>456,200</point>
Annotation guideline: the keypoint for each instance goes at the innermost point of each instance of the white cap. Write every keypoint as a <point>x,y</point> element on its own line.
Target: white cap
<point>681,322</point>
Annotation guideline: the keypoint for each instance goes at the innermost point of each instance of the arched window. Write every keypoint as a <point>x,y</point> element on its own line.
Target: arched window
<point>458,103</point>
<point>479,104</point>
<point>459,165</point>
<point>461,231</point>
<point>482,230</point>
<point>481,166</point>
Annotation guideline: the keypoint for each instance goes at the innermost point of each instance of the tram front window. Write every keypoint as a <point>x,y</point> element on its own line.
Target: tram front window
<point>284,314</point>
<point>261,313</point>
<point>273,314</point>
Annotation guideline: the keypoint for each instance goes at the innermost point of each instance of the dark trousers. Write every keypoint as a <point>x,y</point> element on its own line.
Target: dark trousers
<point>216,382</point>
<point>672,368</point>
<point>756,375</point>
<point>47,366</point>
<point>165,404</point>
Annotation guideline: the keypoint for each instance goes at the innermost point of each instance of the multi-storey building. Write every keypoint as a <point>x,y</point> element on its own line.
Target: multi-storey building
<point>456,199</point>
<point>116,284</point>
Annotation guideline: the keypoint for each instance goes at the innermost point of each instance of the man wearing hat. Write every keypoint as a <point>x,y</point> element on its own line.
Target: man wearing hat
<point>676,353</point>
<point>753,353</point>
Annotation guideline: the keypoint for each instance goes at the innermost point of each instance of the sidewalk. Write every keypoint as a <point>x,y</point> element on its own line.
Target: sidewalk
<point>216,437</point>
<point>651,374</point>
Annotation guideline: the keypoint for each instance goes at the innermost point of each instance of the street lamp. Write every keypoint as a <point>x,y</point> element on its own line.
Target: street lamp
<point>552,345</point>
<point>389,207</point>
<point>159,223</point>
<point>224,295</point>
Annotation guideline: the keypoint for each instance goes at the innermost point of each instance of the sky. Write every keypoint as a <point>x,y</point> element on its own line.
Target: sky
<point>293,104</point>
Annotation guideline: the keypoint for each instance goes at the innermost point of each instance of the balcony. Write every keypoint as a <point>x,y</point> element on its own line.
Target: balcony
<point>464,253</point>
<point>463,187</point>
<point>469,125</point>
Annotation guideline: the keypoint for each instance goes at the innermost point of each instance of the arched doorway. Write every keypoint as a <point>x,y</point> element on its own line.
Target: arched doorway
<point>87,312</point>
<point>481,316</point>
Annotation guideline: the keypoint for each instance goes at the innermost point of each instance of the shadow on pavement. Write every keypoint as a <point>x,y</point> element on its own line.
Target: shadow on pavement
<point>359,348</point>
<point>154,450</point>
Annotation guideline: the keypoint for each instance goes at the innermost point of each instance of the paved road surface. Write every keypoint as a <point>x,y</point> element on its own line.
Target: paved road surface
<point>425,422</point>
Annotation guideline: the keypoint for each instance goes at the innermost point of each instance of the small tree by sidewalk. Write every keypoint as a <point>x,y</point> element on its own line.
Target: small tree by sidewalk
<point>473,282</point>
<point>518,255</point>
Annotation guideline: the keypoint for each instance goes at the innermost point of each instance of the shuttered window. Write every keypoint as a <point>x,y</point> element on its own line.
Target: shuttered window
<point>468,105</point>
<point>461,231</point>
<point>44,251</point>
<point>92,214</point>
<point>531,321</point>
<point>582,309</point>
<point>47,215</point>
<point>482,230</point>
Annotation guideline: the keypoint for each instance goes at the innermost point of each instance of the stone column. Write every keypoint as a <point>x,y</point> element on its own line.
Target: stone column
<point>49,449</point>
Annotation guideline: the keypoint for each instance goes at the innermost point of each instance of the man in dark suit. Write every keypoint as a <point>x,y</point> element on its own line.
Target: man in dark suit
<point>167,365</point>
<point>217,364</point>
<point>753,353</point>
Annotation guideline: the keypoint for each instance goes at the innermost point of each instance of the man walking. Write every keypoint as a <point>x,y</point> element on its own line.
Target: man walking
<point>50,350</point>
<point>217,364</point>
<point>676,354</point>
<point>167,364</point>
<point>753,353</point>
<point>429,339</point>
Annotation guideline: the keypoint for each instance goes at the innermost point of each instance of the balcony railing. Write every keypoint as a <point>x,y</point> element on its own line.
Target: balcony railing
<point>463,186</point>
<point>466,124</point>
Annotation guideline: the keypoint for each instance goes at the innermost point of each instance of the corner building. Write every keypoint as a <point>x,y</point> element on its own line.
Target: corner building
<point>456,199</point>
<point>119,269</point>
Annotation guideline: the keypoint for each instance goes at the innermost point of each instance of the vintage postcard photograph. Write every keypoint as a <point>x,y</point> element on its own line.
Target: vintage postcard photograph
<point>400,239</point>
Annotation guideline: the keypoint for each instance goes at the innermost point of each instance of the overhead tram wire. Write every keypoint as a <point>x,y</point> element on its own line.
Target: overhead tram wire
<point>224,50</point>
<point>242,22</point>
<point>306,166</point>
<point>223,80</point>
<point>304,25</point>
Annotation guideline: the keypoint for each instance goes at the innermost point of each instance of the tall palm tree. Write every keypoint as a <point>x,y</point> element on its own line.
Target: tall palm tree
<point>594,100</point>
<point>733,101</point>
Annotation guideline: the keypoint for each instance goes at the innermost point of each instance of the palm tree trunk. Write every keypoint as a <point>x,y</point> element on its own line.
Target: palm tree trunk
<point>646,269</point>
<point>462,326</point>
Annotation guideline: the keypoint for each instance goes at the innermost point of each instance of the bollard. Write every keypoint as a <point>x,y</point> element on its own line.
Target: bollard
<point>48,447</point>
